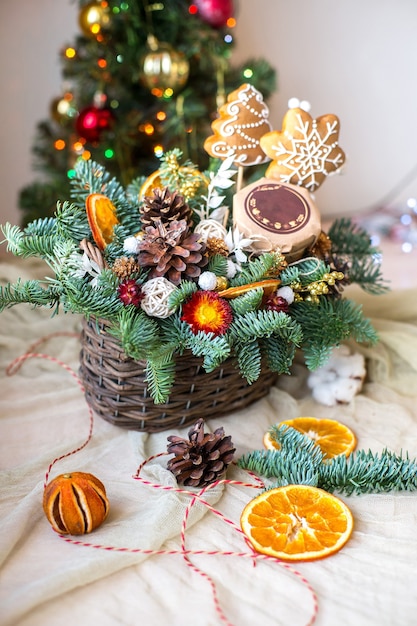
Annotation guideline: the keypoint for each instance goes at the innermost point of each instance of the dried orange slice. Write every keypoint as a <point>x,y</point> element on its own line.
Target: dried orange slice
<point>297,523</point>
<point>152,182</point>
<point>331,436</point>
<point>269,286</point>
<point>101,214</point>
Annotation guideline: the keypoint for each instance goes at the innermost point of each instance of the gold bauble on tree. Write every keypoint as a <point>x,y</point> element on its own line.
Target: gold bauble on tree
<point>93,17</point>
<point>164,69</point>
<point>63,109</point>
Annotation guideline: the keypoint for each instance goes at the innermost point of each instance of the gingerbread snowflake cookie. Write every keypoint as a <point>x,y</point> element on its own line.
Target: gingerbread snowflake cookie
<point>305,151</point>
<point>242,121</point>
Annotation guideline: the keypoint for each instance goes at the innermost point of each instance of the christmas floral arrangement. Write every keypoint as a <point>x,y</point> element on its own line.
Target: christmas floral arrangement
<point>172,265</point>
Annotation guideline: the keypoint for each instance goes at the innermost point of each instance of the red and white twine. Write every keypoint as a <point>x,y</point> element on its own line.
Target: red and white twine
<point>195,497</point>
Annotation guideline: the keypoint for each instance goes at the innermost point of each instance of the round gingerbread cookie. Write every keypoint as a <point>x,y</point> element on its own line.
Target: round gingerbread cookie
<point>242,121</point>
<point>305,151</point>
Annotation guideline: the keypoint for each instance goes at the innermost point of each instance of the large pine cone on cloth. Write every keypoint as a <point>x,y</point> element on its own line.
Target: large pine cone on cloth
<point>203,458</point>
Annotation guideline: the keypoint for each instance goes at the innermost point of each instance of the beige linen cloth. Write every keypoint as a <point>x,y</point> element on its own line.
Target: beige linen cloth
<point>47,581</point>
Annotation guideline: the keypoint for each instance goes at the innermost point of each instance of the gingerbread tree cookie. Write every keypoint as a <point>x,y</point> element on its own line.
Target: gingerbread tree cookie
<point>242,121</point>
<point>305,151</point>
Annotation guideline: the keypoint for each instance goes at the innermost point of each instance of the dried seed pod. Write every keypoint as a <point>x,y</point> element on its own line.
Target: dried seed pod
<point>75,503</point>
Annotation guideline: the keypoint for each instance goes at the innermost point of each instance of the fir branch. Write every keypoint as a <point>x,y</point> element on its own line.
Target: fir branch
<point>249,360</point>
<point>94,178</point>
<point>316,354</point>
<point>80,297</point>
<point>255,270</point>
<point>350,239</point>
<point>367,472</point>
<point>181,294</point>
<point>71,222</point>
<point>29,291</point>
<point>218,265</point>
<point>327,324</point>
<point>304,271</point>
<point>300,461</point>
<point>290,274</point>
<point>279,354</point>
<point>41,227</point>
<point>264,324</point>
<point>35,244</point>
<point>137,333</point>
<point>133,190</point>
<point>176,332</point>
<point>13,236</point>
<point>296,462</point>
<point>368,274</point>
<point>353,245</point>
<point>115,248</point>
<point>213,349</point>
<point>91,177</point>
<point>249,301</point>
<point>160,377</point>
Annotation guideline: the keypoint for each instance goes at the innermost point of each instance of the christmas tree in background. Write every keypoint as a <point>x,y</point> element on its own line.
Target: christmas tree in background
<point>141,78</point>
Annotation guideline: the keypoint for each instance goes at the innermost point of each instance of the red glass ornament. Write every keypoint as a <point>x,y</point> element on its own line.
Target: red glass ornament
<point>215,12</point>
<point>92,121</point>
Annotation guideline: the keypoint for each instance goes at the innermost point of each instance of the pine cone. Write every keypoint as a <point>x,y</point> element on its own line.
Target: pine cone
<point>215,245</point>
<point>164,206</point>
<point>201,460</point>
<point>172,251</point>
<point>322,247</point>
<point>124,267</point>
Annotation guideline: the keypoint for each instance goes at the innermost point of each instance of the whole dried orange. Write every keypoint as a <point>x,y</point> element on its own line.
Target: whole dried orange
<point>297,523</point>
<point>102,218</point>
<point>75,503</point>
<point>331,436</point>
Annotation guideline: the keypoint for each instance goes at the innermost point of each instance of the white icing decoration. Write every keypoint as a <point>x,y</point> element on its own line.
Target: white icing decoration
<point>232,126</point>
<point>309,154</point>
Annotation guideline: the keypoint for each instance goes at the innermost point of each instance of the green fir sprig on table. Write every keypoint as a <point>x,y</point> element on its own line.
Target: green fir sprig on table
<point>300,461</point>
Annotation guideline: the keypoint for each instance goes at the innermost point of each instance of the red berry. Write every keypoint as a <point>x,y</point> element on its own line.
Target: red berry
<point>277,303</point>
<point>130,292</point>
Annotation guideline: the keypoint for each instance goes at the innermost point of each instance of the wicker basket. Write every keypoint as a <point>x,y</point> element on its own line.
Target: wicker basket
<point>116,390</point>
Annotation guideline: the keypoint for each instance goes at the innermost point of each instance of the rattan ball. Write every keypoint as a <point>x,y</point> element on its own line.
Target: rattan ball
<point>210,228</point>
<point>155,301</point>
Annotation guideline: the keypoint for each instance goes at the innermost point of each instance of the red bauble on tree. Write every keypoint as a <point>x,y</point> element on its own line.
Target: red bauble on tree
<point>92,122</point>
<point>215,12</point>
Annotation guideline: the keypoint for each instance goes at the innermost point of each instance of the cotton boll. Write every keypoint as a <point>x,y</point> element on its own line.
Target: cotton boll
<point>323,394</point>
<point>340,379</point>
<point>321,376</point>
<point>346,389</point>
<point>131,245</point>
<point>231,269</point>
<point>286,293</point>
<point>207,281</point>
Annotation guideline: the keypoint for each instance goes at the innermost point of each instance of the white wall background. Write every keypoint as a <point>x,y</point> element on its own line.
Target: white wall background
<point>354,58</point>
